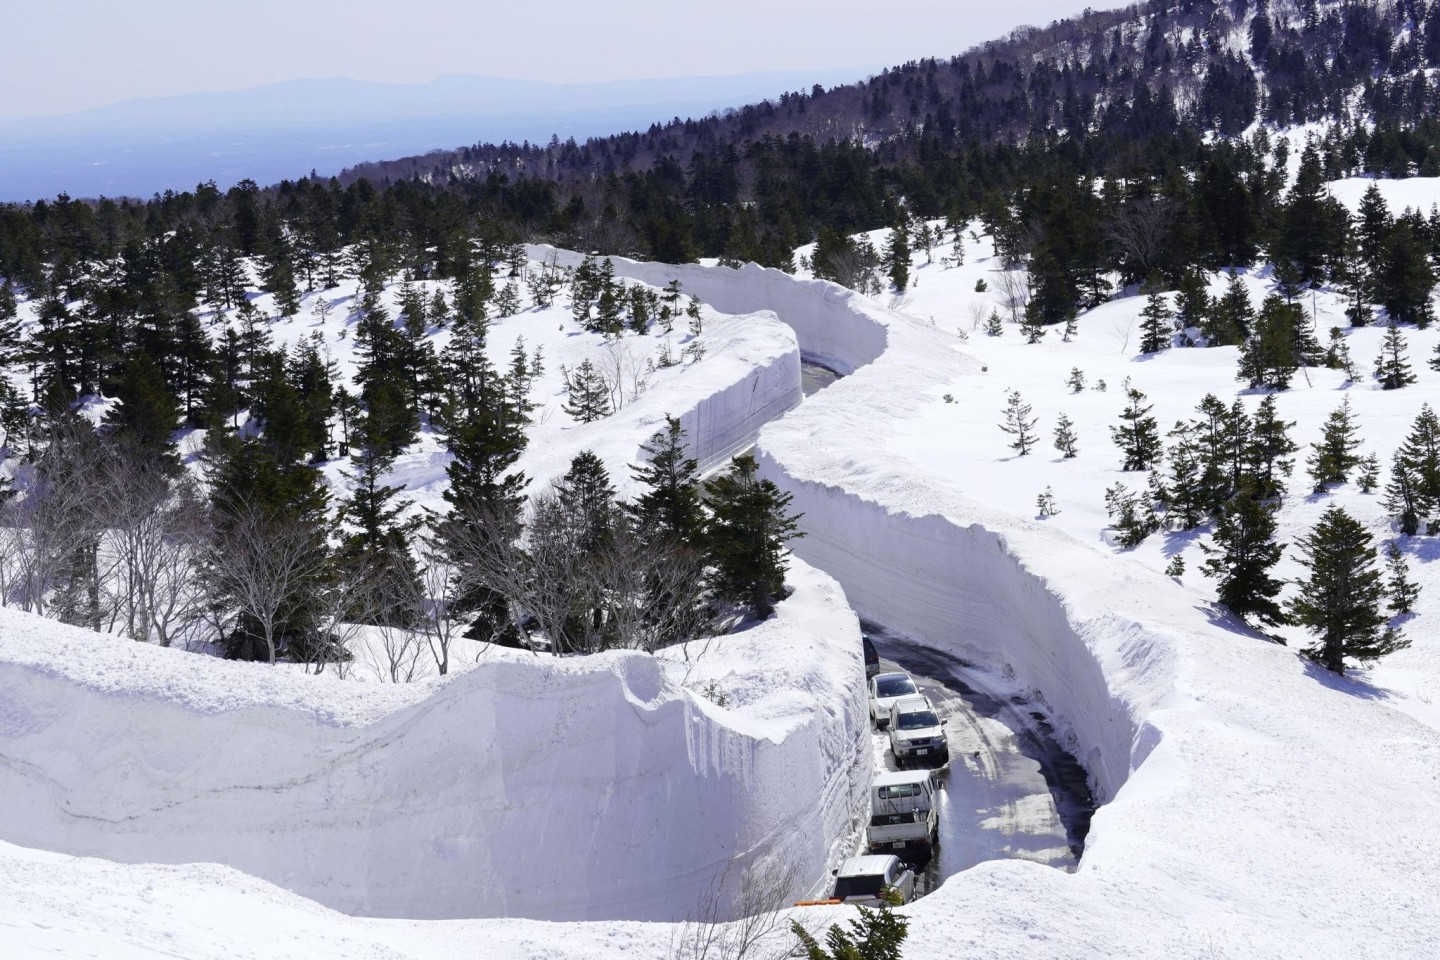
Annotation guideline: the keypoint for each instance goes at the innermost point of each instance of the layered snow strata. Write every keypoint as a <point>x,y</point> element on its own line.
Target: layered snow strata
<point>549,788</point>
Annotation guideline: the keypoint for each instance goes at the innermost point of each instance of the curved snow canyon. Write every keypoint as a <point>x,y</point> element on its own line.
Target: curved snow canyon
<point>1228,771</point>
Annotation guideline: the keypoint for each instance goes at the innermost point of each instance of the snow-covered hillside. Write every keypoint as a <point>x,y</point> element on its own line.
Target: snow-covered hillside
<point>1255,806</point>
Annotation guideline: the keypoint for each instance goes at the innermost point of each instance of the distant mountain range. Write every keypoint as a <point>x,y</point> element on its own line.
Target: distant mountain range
<point>285,130</point>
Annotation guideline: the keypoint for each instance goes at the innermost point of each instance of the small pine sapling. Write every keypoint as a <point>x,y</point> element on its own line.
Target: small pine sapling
<point>1100,386</point>
<point>1369,477</point>
<point>1132,518</point>
<point>1392,368</point>
<point>1018,423</point>
<point>1071,328</point>
<point>1066,440</point>
<point>1176,567</point>
<point>994,326</point>
<point>1403,592</point>
<point>693,312</point>
<point>1046,504</point>
<point>981,286</point>
<point>1076,383</point>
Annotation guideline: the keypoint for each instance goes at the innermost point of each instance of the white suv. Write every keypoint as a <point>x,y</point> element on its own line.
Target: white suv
<point>916,733</point>
<point>863,879</point>
<point>885,689</point>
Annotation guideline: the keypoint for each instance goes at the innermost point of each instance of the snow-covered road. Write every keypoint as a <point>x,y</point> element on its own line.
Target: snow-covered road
<point>1010,790</point>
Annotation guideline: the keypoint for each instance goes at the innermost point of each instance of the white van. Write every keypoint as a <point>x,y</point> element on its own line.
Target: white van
<point>903,819</point>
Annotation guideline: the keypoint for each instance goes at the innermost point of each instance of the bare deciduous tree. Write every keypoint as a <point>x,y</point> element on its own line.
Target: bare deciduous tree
<point>1015,289</point>
<point>1139,231</point>
<point>741,914</point>
<point>261,563</point>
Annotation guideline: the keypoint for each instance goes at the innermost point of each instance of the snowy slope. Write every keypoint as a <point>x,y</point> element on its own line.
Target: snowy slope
<point>1255,806</point>
<point>581,788</point>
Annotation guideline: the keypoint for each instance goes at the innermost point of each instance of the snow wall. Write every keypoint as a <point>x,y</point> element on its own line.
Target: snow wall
<point>927,564</point>
<point>554,789</point>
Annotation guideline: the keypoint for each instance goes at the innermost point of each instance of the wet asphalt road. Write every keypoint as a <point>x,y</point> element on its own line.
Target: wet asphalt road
<point>1010,790</point>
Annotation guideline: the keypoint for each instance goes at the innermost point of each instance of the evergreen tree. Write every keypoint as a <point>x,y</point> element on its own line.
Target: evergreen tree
<point>588,498</point>
<point>1337,355</point>
<point>1403,498</point>
<point>897,255</point>
<point>1340,600</point>
<point>1018,423</point>
<point>1185,493</point>
<point>1137,436</point>
<point>146,414</point>
<point>1267,454</point>
<point>1420,457</point>
<point>1334,457</point>
<point>1076,381</point>
<point>1369,474</point>
<point>1065,438</point>
<point>1392,368</point>
<point>1156,325</point>
<point>1405,277</point>
<point>670,506</point>
<point>376,552</point>
<point>1032,322</point>
<point>874,935</point>
<point>1194,306</point>
<point>250,490</point>
<point>749,526</point>
<point>1402,590</point>
<point>1243,554</point>
<point>1232,317</point>
<point>1269,358</point>
<point>587,395</point>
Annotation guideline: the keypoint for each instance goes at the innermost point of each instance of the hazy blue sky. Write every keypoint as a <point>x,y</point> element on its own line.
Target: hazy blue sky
<point>70,54</point>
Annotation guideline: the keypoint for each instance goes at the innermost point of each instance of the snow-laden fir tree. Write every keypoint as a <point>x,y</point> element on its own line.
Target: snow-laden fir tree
<point>1403,499</point>
<point>1340,600</point>
<point>1392,367</point>
<point>1066,439</point>
<point>1076,381</point>
<point>1241,555</point>
<point>1045,503</point>
<point>1018,422</point>
<point>994,325</point>
<point>1402,591</point>
<point>1334,457</point>
<point>1138,435</point>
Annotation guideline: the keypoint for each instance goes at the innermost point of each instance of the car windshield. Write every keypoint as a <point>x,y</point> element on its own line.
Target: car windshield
<point>894,687</point>
<point>918,720</point>
<point>870,886</point>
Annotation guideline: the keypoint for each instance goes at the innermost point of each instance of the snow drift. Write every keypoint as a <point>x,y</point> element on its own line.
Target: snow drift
<point>553,788</point>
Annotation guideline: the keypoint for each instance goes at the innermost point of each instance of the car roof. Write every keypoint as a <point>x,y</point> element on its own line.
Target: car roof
<point>866,865</point>
<point>892,777</point>
<point>911,702</point>
<point>893,675</point>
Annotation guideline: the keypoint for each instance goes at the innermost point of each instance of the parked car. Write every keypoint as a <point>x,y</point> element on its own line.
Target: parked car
<point>885,689</point>
<point>903,819</point>
<point>872,659</point>
<point>916,732</point>
<point>861,880</point>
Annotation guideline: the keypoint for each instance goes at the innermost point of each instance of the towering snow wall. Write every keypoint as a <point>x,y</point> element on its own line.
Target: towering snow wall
<point>909,552</point>
<point>556,789</point>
